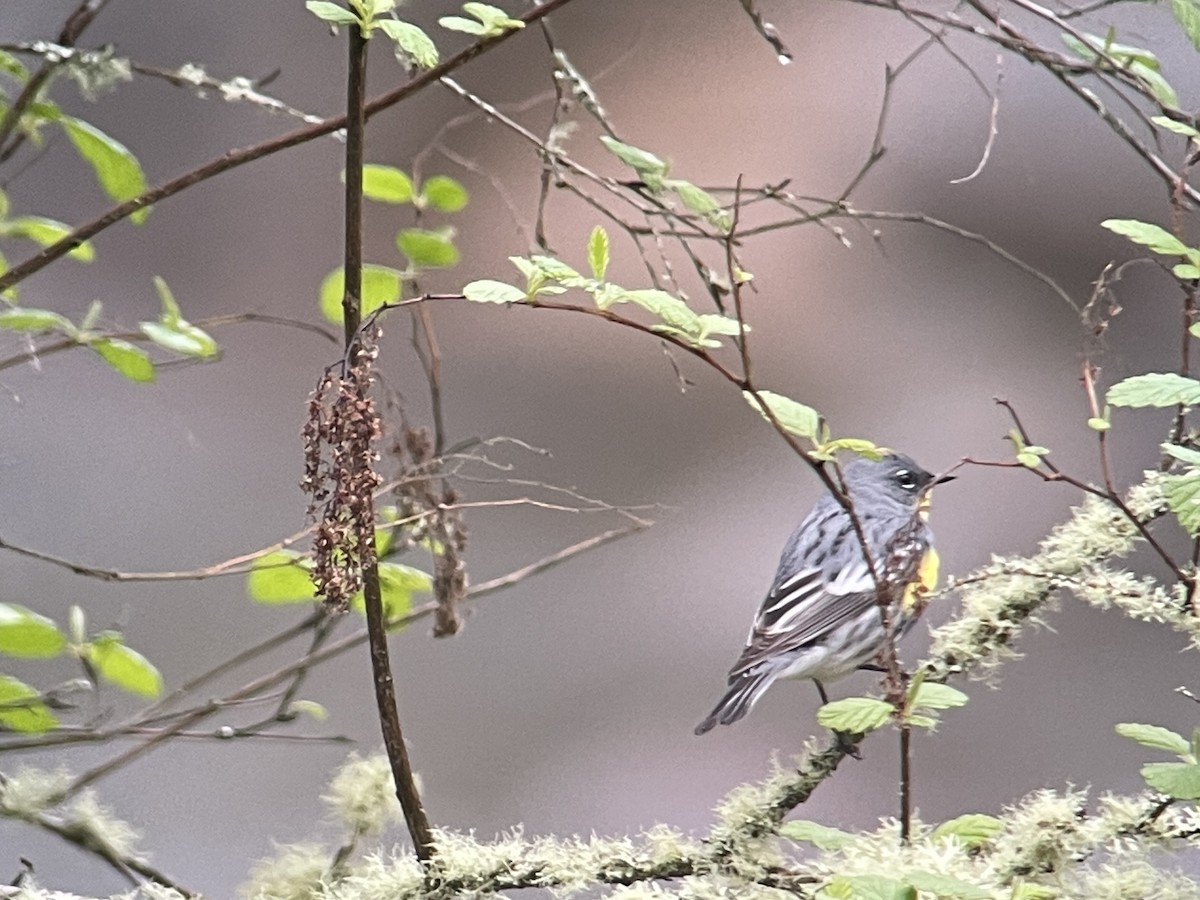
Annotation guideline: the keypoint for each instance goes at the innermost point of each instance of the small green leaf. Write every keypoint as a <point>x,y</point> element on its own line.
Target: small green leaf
<point>16,318</point>
<point>493,18</point>
<point>76,624</point>
<point>701,202</point>
<point>597,251</point>
<point>1155,389</point>
<point>1097,423</point>
<point>174,332</point>
<point>938,696</point>
<point>427,248</point>
<point>117,170</point>
<point>1178,780</point>
<point>331,12</point>
<point>281,577</point>
<point>488,291</point>
<point>444,193</point>
<point>123,666</point>
<point>868,887</point>
<point>20,710</point>
<point>397,585</point>
<point>1155,737</point>
<point>45,232</point>
<point>410,40</point>
<point>858,446</point>
<point>821,836</point>
<point>1157,239</point>
<point>1158,85</point>
<point>1183,454</point>
<point>1182,493</point>
<point>797,418</point>
<point>855,715</point>
<point>310,708</point>
<point>1177,127</point>
<point>972,829</point>
<point>466,26</point>
<point>27,634</point>
<point>171,314</point>
<point>132,362</point>
<point>946,886</point>
<point>1186,271</point>
<point>386,184</point>
<point>642,161</point>
<point>381,285</point>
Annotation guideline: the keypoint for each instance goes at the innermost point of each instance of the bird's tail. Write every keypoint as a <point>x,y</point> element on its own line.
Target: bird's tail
<point>743,693</point>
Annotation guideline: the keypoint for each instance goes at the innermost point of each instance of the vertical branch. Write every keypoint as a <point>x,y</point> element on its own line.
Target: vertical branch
<point>385,688</point>
<point>905,782</point>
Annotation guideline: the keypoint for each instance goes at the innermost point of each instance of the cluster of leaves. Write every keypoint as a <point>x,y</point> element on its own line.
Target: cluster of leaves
<point>1180,780</point>
<point>1165,389</point>
<point>423,248</point>
<point>923,702</point>
<point>25,634</point>
<point>652,172</point>
<point>413,45</point>
<point>1141,64</point>
<point>805,422</point>
<point>284,577</point>
<point>171,331</point>
<point>546,275</point>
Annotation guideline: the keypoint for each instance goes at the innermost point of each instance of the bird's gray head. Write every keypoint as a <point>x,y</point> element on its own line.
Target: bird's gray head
<point>895,477</point>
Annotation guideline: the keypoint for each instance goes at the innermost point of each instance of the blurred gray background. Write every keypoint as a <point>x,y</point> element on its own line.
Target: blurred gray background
<point>567,704</point>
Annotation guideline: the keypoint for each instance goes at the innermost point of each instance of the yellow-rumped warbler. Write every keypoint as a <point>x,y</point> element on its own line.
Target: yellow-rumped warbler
<point>822,618</point>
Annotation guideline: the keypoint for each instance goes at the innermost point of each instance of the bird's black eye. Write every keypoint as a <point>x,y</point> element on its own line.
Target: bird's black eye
<point>906,479</point>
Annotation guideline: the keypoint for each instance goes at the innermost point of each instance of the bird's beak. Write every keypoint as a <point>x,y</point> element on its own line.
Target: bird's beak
<point>944,478</point>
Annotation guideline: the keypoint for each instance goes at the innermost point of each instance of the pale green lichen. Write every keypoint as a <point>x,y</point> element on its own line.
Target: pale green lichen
<point>296,872</point>
<point>363,794</point>
<point>31,791</point>
<point>94,825</point>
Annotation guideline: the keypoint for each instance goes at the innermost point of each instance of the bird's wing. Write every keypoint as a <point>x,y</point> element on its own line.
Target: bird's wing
<point>803,606</point>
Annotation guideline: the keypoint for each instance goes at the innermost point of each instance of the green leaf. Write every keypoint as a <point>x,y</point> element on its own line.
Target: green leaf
<point>380,284</point>
<point>397,585</point>
<point>1177,127</point>
<point>868,887</point>
<point>1186,271</point>
<point>281,577</point>
<point>1098,423</point>
<point>386,184</point>
<point>444,193</point>
<point>117,170</point>
<point>174,332</point>
<point>13,66</point>
<point>701,202</point>
<point>1155,737</point>
<point>32,717</point>
<point>859,446</point>
<point>642,161</point>
<point>123,666</point>
<point>493,18</point>
<point>427,248</point>
<point>1157,239</point>
<point>855,715</point>
<point>1183,454</point>
<point>800,420</point>
<point>27,634</point>
<point>331,12</point>
<point>1182,493</point>
<point>821,836</point>
<point>1157,84</point>
<point>17,318</point>
<point>1178,780</point>
<point>310,708</point>
<point>488,291</point>
<point>946,886</point>
<point>597,251</point>
<point>132,362</point>
<point>1155,389</point>
<point>413,42</point>
<point>1028,891</point>
<point>45,232</point>
<point>938,696</point>
<point>972,829</point>
<point>466,26</point>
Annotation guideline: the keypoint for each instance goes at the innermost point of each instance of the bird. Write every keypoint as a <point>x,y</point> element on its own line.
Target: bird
<point>822,617</point>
